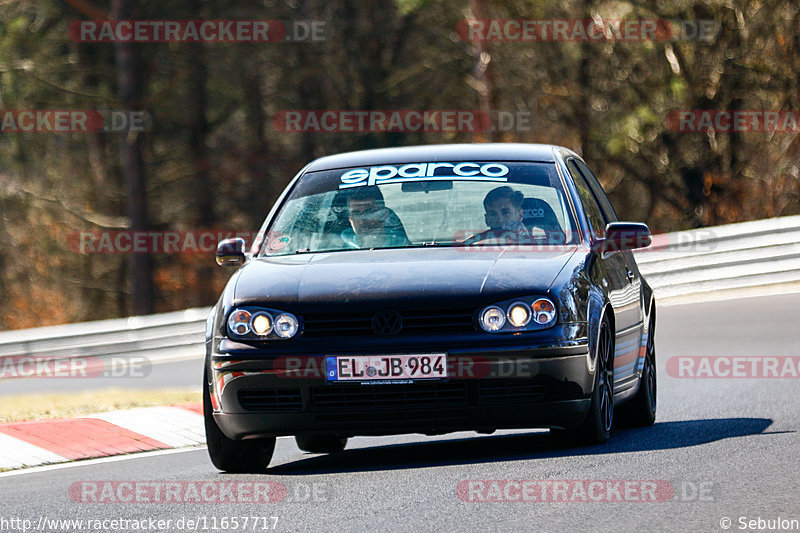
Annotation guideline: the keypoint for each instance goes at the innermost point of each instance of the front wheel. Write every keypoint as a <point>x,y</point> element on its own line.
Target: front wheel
<point>596,429</point>
<point>230,455</point>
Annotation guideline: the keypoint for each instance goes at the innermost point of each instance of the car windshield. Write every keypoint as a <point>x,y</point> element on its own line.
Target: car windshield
<point>423,204</point>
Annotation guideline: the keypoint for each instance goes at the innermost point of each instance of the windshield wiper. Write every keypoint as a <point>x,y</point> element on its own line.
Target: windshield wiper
<point>310,251</point>
<point>420,245</point>
<point>442,244</point>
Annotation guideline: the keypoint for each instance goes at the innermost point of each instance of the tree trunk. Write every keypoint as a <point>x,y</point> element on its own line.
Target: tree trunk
<point>129,76</point>
<point>198,130</point>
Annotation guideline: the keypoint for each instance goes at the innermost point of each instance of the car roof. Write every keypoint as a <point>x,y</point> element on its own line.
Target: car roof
<point>439,152</point>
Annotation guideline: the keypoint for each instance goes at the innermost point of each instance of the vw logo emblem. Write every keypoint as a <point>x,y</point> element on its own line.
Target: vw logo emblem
<point>387,323</point>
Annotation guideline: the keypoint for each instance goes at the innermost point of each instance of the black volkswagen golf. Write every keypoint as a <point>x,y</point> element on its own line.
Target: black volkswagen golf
<point>428,290</point>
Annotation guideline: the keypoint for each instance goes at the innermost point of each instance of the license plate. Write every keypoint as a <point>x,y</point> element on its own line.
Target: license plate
<point>386,367</point>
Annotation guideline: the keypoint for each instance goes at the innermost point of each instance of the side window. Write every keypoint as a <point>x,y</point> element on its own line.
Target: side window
<point>605,205</point>
<point>593,213</point>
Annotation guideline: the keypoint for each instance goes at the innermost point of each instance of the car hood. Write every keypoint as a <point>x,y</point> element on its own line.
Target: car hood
<point>436,276</point>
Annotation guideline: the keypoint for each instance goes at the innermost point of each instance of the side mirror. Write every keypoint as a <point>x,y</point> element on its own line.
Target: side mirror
<point>626,236</point>
<point>230,252</point>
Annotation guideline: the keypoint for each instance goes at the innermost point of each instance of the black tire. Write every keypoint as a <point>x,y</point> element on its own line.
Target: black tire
<point>640,411</point>
<point>228,455</point>
<point>321,443</point>
<point>596,429</point>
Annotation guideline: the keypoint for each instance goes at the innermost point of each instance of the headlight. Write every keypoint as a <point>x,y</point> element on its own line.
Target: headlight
<point>517,315</point>
<point>262,324</point>
<point>543,311</point>
<point>492,318</point>
<point>286,325</point>
<point>239,322</point>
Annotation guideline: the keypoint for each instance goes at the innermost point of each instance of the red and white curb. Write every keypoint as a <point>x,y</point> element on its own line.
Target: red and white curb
<point>39,442</point>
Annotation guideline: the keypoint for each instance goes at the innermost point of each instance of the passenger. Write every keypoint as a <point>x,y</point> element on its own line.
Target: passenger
<point>373,225</point>
<point>504,215</point>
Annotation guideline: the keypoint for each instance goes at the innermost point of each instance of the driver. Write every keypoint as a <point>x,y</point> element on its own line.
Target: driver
<point>503,214</point>
<point>373,225</point>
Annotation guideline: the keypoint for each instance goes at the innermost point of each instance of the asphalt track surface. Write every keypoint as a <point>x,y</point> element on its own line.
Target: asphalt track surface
<point>728,447</point>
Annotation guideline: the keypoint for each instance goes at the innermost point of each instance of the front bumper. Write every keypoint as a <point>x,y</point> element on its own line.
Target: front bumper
<point>502,388</point>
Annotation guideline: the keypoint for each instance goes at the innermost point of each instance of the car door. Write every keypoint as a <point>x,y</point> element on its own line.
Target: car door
<point>631,269</point>
<point>617,275</point>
